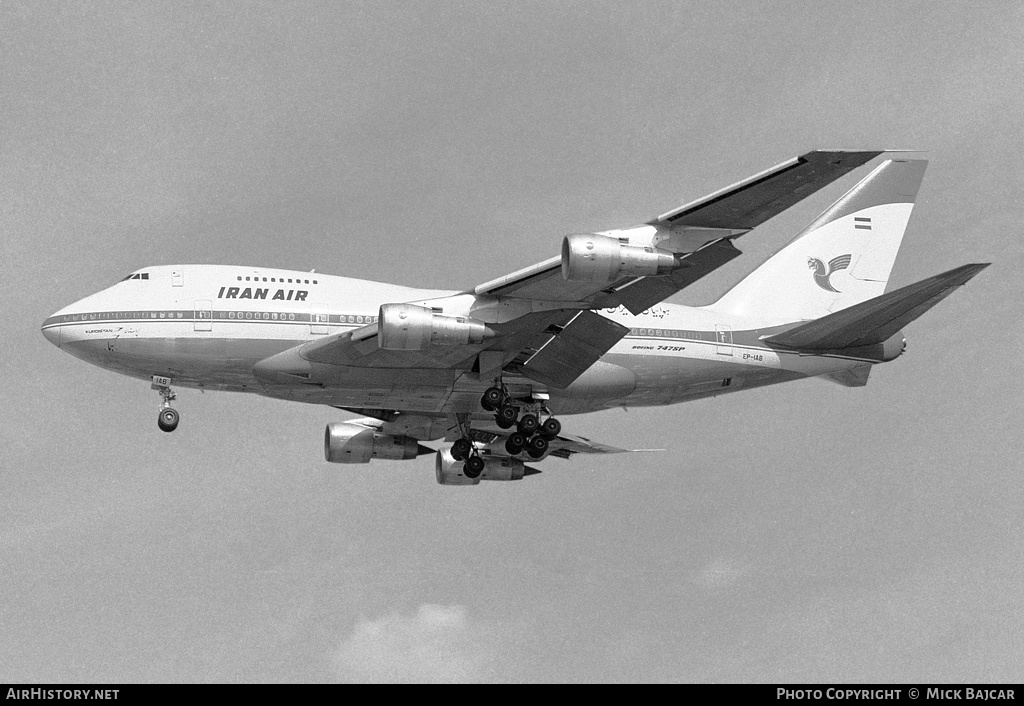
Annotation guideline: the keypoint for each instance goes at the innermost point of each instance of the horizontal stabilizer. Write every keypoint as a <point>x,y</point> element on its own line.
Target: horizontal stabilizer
<point>875,320</point>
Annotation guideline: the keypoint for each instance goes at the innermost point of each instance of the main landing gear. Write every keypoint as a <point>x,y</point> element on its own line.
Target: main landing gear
<point>531,435</point>
<point>168,418</point>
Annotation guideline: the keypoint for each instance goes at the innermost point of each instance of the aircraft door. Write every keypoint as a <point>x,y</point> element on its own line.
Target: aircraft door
<point>319,323</point>
<point>723,336</point>
<point>204,315</point>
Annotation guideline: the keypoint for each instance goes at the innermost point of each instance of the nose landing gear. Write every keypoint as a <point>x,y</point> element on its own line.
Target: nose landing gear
<point>168,418</point>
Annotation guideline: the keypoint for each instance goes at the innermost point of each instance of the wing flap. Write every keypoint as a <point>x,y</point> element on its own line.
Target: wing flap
<point>581,444</point>
<point>567,354</point>
<point>562,446</point>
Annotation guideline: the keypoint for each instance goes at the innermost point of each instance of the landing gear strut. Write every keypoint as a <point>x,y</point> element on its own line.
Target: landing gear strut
<point>168,418</point>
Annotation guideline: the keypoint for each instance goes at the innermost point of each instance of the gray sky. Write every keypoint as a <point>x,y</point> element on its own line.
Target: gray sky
<point>802,532</point>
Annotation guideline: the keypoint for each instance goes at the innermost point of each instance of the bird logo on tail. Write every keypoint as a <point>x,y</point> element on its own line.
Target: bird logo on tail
<point>822,274</point>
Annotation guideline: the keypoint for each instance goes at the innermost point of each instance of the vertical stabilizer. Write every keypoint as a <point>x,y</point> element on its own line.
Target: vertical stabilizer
<point>843,258</point>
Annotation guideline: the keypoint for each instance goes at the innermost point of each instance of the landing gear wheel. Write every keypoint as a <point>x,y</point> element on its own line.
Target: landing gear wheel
<point>474,467</point>
<point>515,443</point>
<point>527,424</point>
<point>506,416</point>
<point>492,398</point>
<point>537,446</point>
<point>460,449</point>
<point>168,419</point>
<point>551,428</point>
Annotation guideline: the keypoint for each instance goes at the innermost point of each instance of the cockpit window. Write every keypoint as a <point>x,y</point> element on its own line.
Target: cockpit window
<point>137,275</point>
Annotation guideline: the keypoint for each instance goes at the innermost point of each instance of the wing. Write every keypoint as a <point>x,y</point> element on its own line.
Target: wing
<point>699,233</point>
<point>562,446</point>
<point>540,323</point>
<point>430,427</point>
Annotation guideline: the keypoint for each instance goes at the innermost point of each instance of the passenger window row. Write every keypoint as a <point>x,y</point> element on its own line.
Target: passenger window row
<point>207,314</point>
<point>671,333</point>
<point>280,280</point>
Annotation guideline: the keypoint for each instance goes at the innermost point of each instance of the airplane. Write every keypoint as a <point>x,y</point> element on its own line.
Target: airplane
<point>492,369</point>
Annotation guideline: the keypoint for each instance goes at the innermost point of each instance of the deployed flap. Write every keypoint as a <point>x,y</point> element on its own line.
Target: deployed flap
<point>753,201</point>
<point>875,320</point>
<point>566,444</point>
<point>573,349</point>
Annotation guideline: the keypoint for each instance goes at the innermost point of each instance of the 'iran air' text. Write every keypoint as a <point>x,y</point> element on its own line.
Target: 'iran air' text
<point>287,295</point>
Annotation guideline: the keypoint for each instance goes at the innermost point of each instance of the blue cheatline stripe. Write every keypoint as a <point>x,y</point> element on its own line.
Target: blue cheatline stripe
<point>277,317</point>
<point>186,315</point>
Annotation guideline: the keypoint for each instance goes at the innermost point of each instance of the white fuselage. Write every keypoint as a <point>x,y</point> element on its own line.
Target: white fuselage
<point>207,326</point>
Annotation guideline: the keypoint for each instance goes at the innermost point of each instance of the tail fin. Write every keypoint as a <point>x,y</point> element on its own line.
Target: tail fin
<point>876,320</point>
<point>844,257</point>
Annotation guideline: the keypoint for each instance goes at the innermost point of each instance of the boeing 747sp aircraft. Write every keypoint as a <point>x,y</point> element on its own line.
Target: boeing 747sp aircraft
<point>491,369</point>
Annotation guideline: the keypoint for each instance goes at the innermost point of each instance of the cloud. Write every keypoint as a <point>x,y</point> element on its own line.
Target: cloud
<point>438,644</point>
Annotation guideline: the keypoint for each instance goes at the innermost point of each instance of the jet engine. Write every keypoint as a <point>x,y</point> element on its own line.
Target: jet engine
<point>588,257</point>
<point>345,442</point>
<point>409,327</point>
<point>450,472</point>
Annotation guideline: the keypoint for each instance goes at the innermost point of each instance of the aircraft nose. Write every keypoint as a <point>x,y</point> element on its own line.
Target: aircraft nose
<point>52,331</point>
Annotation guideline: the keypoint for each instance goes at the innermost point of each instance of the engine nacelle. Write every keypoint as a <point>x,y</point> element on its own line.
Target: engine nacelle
<point>345,442</point>
<point>409,327</point>
<point>450,472</point>
<point>588,257</point>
